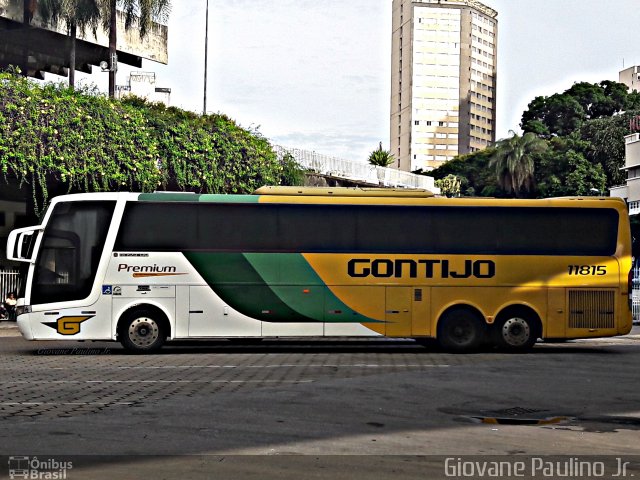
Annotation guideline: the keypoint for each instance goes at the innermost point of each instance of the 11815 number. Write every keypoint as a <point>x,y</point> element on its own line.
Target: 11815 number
<point>587,270</point>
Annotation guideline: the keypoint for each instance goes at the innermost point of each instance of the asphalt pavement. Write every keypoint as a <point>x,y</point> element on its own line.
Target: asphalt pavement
<point>319,408</point>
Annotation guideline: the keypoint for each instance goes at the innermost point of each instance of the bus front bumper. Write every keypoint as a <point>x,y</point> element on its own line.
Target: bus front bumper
<point>24,326</point>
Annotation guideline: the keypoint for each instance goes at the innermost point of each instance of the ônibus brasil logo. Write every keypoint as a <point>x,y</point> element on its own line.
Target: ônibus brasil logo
<point>35,468</point>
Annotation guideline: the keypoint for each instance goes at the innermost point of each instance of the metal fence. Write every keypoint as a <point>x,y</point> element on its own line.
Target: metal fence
<point>357,171</point>
<point>635,294</point>
<point>9,282</point>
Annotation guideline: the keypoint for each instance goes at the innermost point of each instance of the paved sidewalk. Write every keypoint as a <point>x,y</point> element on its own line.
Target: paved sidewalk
<point>8,329</point>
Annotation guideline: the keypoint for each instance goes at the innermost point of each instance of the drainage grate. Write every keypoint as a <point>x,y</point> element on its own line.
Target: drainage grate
<point>515,411</point>
<point>517,416</point>
<point>519,421</point>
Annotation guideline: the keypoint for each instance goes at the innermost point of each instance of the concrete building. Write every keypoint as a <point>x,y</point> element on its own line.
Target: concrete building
<point>443,80</point>
<point>25,36</point>
<point>631,191</point>
<point>631,78</point>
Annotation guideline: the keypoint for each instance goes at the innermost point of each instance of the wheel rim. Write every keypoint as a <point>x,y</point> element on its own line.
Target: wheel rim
<point>516,332</point>
<point>462,332</point>
<point>143,332</point>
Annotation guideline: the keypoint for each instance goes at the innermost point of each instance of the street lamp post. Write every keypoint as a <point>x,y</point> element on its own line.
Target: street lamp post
<point>206,45</point>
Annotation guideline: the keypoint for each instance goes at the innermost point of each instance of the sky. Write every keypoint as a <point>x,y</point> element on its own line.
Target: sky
<point>315,74</point>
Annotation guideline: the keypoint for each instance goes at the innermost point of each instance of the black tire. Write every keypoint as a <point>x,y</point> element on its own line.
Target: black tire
<point>461,330</point>
<point>142,331</point>
<point>516,332</point>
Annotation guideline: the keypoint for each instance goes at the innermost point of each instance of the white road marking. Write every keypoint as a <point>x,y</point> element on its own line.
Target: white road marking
<point>39,382</point>
<point>357,365</point>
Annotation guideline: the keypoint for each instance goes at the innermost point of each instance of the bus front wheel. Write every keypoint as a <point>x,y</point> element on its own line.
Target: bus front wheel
<point>142,331</point>
<point>516,333</point>
<point>460,330</point>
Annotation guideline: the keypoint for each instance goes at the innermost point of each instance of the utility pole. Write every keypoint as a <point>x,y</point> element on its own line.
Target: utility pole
<point>206,49</point>
<point>113,55</point>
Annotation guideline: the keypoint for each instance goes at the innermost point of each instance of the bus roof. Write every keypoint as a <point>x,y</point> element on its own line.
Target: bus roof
<point>336,196</point>
<point>344,191</point>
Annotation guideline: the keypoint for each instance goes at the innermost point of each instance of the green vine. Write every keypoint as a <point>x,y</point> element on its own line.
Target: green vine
<point>59,140</point>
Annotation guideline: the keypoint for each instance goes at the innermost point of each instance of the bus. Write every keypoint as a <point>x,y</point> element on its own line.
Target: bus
<point>147,268</point>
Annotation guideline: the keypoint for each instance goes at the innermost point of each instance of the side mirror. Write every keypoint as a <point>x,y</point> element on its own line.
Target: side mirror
<point>20,244</point>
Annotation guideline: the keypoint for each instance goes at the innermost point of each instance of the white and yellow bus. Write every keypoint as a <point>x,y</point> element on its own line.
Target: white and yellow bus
<point>286,262</point>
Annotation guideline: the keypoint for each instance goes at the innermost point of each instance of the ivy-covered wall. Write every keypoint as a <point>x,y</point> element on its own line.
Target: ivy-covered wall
<point>55,140</point>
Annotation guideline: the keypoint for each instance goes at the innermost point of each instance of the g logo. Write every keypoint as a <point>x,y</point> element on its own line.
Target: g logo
<point>69,325</point>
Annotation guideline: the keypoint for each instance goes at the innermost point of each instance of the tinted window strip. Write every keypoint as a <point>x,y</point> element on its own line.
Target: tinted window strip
<point>368,229</point>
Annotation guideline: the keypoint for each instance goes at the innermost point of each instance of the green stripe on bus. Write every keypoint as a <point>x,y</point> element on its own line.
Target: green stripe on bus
<point>296,283</point>
<point>238,284</point>
<point>190,197</point>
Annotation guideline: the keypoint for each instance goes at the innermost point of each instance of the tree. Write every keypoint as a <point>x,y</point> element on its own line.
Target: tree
<point>599,99</point>
<point>633,101</point>
<point>563,113</point>
<point>606,147</point>
<point>472,172</point>
<point>449,186</point>
<point>292,173</point>
<point>380,157</point>
<point>513,161</point>
<point>573,143</point>
<point>75,14</point>
<point>564,170</point>
<point>559,114</point>
<point>136,12</point>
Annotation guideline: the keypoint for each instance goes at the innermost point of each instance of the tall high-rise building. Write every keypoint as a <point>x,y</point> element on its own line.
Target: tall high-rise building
<point>443,80</point>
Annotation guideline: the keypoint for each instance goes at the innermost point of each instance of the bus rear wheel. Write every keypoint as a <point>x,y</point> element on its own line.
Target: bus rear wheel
<point>460,330</point>
<point>142,331</point>
<point>516,333</point>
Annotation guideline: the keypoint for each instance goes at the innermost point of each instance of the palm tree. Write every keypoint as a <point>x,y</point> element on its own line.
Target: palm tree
<point>76,14</point>
<point>513,161</point>
<point>139,12</point>
<point>380,157</point>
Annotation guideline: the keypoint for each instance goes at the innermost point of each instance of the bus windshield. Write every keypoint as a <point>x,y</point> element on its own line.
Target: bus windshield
<point>70,251</point>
